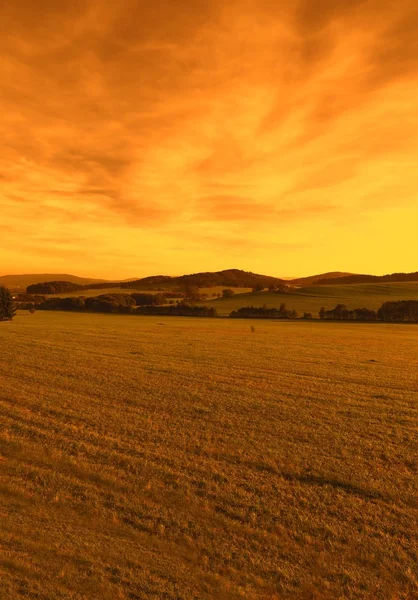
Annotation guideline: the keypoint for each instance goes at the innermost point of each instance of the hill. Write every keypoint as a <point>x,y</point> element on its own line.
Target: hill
<point>23,281</point>
<point>394,277</point>
<point>226,278</point>
<point>311,280</point>
<point>233,278</point>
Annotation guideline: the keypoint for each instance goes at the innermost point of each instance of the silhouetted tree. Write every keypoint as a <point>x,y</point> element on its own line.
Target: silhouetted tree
<point>403,310</point>
<point>341,313</point>
<point>253,312</point>
<point>53,287</point>
<point>7,305</point>
<point>363,314</point>
<point>192,292</point>
<point>227,293</point>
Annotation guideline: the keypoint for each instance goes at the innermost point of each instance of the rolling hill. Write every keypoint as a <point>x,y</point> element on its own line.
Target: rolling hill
<point>233,278</point>
<point>311,280</point>
<point>22,281</point>
<point>226,278</point>
<point>351,279</point>
<point>312,298</point>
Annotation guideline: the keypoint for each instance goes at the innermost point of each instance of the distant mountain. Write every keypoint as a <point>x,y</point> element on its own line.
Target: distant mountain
<point>303,281</point>
<point>394,277</point>
<point>22,281</point>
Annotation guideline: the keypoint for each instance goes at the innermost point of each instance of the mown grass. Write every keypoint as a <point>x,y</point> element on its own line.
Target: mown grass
<point>149,457</point>
<point>311,299</point>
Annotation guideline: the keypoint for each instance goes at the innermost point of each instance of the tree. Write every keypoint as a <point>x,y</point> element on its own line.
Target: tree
<point>53,287</point>
<point>401,310</point>
<point>228,293</point>
<point>322,313</point>
<point>340,312</point>
<point>7,305</point>
<point>192,292</point>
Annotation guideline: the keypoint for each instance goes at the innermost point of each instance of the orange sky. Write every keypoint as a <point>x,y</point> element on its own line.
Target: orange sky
<point>171,136</point>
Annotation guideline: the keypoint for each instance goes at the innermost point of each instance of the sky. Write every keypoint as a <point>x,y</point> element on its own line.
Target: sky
<point>169,137</point>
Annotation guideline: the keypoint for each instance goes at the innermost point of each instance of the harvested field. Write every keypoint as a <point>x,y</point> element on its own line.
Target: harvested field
<point>151,457</point>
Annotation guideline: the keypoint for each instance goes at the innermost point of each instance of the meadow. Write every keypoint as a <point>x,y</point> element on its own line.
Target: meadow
<point>180,458</point>
<point>311,299</point>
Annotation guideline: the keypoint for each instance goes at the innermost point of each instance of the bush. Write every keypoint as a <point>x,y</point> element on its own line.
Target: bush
<point>7,305</point>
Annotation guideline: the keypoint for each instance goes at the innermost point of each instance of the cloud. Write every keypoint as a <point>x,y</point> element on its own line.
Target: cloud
<point>138,123</point>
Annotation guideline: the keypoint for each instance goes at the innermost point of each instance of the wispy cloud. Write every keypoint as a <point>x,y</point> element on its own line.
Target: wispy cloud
<point>126,127</point>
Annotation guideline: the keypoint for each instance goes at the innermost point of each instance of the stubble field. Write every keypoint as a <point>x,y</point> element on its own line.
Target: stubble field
<point>150,457</point>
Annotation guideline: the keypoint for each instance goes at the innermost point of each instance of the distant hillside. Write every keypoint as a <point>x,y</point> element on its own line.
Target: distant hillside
<point>313,279</point>
<point>227,278</point>
<point>311,299</point>
<point>22,281</point>
<point>232,278</point>
<point>394,277</point>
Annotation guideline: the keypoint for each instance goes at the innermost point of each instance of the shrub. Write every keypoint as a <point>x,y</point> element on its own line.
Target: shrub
<point>7,305</point>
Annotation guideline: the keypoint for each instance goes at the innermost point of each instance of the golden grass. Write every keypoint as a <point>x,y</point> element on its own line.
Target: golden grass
<point>171,458</point>
<point>311,299</point>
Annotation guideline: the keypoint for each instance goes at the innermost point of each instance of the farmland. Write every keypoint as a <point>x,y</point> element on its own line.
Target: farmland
<point>97,292</point>
<point>311,299</point>
<point>145,457</point>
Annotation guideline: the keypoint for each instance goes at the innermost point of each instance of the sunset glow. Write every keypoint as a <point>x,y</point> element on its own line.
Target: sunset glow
<point>178,136</point>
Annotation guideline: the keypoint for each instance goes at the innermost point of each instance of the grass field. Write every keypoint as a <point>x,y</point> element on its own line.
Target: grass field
<point>170,458</point>
<point>311,299</point>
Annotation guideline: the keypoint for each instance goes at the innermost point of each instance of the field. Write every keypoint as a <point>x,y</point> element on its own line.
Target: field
<point>311,299</point>
<point>95,292</point>
<point>170,458</point>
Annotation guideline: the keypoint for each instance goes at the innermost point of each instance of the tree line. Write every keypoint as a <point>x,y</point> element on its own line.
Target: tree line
<point>164,304</point>
<point>141,304</point>
<point>401,311</point>
<point>253,312</point>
